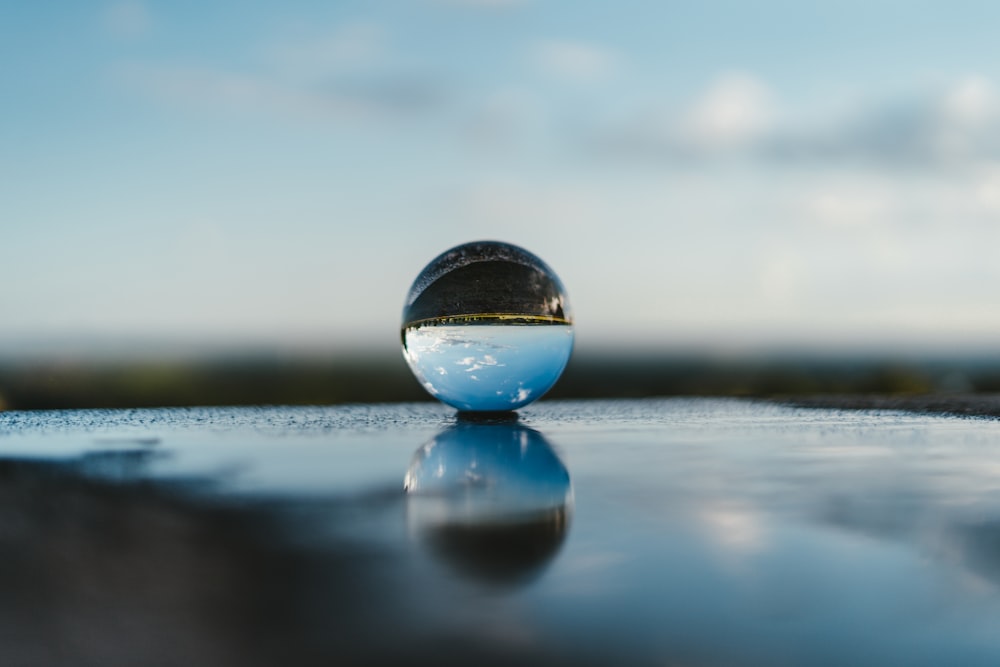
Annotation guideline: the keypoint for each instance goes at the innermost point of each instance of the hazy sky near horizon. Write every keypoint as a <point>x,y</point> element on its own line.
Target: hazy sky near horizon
<point>719,173</point>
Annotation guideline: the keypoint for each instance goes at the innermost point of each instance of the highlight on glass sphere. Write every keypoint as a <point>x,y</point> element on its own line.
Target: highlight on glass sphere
<point>487,327</point>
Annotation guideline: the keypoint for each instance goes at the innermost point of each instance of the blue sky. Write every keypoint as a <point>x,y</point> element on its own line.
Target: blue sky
<point>730,174</point>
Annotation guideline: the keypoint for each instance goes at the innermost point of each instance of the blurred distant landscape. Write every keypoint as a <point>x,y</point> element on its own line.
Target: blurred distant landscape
<point>365,377</point>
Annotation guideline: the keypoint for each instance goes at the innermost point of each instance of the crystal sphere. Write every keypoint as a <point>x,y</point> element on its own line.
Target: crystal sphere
<point>487,327</point>
<point>491,501</point>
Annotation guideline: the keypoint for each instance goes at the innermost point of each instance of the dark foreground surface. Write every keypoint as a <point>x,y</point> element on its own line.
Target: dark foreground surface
<point>659,532</point>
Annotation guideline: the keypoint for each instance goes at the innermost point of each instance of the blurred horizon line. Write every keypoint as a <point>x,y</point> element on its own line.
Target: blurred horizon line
<point>130,373</point>
<point>126,348</point>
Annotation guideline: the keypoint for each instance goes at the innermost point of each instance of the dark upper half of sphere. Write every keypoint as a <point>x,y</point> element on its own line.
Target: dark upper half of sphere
<point>487,279</point>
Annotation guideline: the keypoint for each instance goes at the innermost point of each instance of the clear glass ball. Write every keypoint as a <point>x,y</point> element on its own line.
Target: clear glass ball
<point>487,327</point>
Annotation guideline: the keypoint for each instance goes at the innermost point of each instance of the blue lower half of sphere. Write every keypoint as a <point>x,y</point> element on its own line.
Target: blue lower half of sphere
<point>488,367</point>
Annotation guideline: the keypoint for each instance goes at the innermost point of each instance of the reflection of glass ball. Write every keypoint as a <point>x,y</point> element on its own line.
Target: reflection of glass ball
<point>491,500</point>
<point>487,327</point>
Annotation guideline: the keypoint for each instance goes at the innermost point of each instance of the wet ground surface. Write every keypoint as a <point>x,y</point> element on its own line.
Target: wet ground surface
<point>972,405</point>
<point>660,532</point>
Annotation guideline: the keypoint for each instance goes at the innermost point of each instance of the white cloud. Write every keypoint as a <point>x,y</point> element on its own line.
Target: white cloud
<point>951,126</point>
<point>734,110</point>
<point>853,207</point>
<point>733,114</point>
<point>972,101</point>
<point>966,113</point>
<point>574,61</point>
<point>738,117</point>
<point>128,19</point>
<point>987,189</point>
